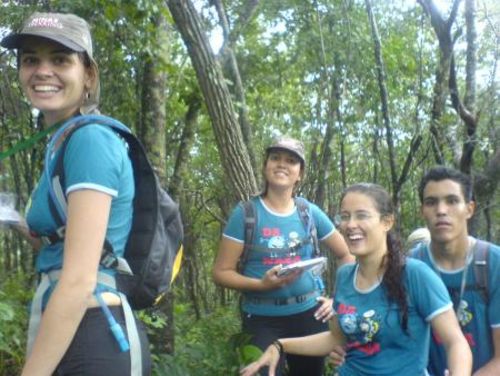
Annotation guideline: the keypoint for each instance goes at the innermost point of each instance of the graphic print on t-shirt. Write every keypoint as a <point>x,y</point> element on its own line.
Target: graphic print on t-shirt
<point>361,329</point>
<point>286,253</point>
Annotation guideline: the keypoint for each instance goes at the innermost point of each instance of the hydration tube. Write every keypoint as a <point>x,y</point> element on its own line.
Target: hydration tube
<point>116,329</point>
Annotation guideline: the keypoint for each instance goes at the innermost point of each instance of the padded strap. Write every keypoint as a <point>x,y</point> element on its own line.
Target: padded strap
<point>419,253</point>
<point>250,218</point>
<point>36,306</point>
<point>307,219</point>
<point>480,263</point>
<point>104,280</point>
<point>132,332</point>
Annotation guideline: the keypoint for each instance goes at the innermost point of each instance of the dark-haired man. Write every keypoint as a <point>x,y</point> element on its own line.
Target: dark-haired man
<point>447,205</point>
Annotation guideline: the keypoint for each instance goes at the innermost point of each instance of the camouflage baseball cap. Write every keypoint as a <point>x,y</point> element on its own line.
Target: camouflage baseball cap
<point>290,144</point>
<point>67,29</point>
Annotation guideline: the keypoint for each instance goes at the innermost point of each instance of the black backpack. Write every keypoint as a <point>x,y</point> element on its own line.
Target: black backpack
<point>250,217</point>
<point>154,247</point>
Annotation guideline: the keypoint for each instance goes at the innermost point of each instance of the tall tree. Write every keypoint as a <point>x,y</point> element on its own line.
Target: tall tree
<point>233,152</point>
<point>229,61</point>
<point>442,27</point>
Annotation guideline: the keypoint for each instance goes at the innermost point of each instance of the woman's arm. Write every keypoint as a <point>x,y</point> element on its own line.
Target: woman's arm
<point>88,213</point>
<point>337,245</point>
<point>314,345</point>
<point>225,271</point>
<point>458,353</point>
<point>317,344</point>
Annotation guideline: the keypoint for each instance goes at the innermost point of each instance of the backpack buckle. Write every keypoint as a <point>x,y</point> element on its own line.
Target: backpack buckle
<point>109,260</point>
<point>281,301</point>
<point>61,231</point>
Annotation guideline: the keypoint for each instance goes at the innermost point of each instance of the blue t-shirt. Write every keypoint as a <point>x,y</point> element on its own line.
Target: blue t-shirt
<point>476,319</point>
<point>376,342</point>
<point>274,235</point>
<point>96,158</point>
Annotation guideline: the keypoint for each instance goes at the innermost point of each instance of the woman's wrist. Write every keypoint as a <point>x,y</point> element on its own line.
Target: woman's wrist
<point>279,346</point>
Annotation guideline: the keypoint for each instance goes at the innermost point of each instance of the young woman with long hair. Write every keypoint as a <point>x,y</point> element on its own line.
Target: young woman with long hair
<point>384,303</point>
<point>275,306</point>
<point>73,335</point>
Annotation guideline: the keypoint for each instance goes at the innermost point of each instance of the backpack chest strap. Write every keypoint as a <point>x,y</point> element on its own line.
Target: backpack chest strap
<point>282,301</point>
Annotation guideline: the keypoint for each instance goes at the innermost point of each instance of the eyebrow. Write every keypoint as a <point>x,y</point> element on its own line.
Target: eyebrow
<point>441,197</point>
<point>364,211</point>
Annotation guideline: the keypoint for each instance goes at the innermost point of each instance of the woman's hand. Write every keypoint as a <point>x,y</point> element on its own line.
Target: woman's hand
<point>270,358</point>
<point>271,280</point>
<point>325,312</point>
<point>337,356</point>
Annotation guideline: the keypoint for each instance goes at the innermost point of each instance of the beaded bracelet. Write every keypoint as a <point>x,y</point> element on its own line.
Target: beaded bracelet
<point>279,346</point>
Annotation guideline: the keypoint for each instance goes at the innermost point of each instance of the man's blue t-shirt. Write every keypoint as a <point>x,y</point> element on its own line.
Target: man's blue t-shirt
<point>376,341</point>
<point>96,158</point>
<point>476,319</point>
<point>274,235</point>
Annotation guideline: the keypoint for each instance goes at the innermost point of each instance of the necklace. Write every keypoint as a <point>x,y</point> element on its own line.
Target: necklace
<point>463,282</point>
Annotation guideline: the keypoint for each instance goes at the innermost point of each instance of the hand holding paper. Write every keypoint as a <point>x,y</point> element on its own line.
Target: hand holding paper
<point>8,213</point>
<point>317,262</point>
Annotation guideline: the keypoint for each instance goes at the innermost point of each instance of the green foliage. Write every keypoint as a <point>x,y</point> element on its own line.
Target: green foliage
<point>291,55</point>
<point>205,347</point>
<point>14,300</point>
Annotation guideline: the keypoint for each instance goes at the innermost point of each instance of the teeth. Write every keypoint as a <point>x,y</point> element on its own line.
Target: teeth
<point>46,88</point>
<point>355,237</point>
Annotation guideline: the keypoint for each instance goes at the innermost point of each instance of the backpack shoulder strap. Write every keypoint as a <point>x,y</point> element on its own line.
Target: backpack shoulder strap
<point>305,214</point>
<point>418,252</point>
<point>250,222</point>
<point>480,264</point>
<point>56,176</point>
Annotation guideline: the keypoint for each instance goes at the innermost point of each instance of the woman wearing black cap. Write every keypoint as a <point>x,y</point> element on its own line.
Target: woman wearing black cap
<point>59,76</point>
<point>276,305</point>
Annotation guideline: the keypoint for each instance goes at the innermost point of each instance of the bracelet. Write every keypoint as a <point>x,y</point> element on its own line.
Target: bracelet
<point>279,346</point>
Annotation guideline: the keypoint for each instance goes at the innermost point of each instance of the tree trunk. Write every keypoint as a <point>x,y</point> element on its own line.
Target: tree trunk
<point>442,28</point>
<point>230,64</point>
<point>384,101</point>
<point>233,153</point>
<point>467,111</point>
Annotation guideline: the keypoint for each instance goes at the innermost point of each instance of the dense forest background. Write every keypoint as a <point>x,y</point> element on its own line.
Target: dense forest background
<point>378,91</point>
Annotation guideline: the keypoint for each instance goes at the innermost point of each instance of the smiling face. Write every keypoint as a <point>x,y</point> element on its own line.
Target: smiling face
<point>445,210</point>
<point>53,78</point>
<point>364,228</point>
<point>282,169</point>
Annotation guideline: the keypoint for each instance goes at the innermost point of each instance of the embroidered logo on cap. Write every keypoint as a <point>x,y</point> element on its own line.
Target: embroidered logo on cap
<point>46,22</point>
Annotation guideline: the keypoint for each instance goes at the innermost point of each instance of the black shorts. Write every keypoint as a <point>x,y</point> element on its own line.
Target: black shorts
<point>265,329</point>
<point>94,350</point>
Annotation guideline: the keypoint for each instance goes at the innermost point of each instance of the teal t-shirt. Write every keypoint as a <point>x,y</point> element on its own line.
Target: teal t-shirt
<point>376,342</point>
<point>476,319</point>
<point>274,234</point>
<point>95,158</point>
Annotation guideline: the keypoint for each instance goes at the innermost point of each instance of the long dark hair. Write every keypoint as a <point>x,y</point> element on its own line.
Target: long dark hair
<point>394,261</point>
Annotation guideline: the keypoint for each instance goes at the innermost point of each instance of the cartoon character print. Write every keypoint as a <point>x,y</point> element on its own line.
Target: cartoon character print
<point>293,241</point>
<point>276,242</point>
<point>349,323</point>
<point>272,238</point>
<point>464,315</point>
<point>369,325</point>
<point>360,329</point>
